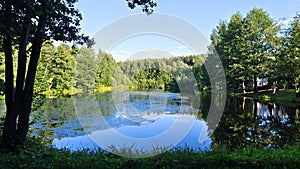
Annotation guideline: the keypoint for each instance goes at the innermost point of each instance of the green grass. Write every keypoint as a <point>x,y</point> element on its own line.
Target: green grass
<point>35,155</point>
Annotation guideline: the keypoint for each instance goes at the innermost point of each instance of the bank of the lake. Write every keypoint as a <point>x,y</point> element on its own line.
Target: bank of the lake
<point>281,97</point>
<point>36,155</point>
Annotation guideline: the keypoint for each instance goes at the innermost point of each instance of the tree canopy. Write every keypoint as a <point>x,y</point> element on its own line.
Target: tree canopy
<point>245,46</point>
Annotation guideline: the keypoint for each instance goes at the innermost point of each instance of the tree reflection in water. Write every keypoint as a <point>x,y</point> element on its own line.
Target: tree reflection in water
<point>244,123</point>
<point>247,123</point>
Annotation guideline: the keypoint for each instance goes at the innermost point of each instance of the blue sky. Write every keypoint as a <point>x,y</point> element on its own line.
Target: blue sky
<point>203,14</point>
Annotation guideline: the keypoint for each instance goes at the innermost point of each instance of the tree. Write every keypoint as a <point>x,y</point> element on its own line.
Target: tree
<point>287,61</point>
<point>61,71</point>
<point>55,70</point>
<point>245,44</point>
<point>85,70</point>
<point>262,42</point>
<point>106,66</point>
<point>25,23</point>
<point>43,79</point>
<point>231,44</point>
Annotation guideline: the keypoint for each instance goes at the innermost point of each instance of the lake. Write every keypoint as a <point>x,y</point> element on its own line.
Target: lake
<point>153,122</point>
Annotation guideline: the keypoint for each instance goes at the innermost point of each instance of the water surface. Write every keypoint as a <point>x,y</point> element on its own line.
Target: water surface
<point>148,120</point>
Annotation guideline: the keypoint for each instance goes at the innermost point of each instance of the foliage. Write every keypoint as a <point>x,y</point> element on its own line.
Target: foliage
<point>147,5</point>
<point>64,71</point>
<point>164,74</point>
<point>36,155</point>
<point>245,45</point>
<point>42,80</point>
<point>287,63</point>
<point>25,25</point>
<point>106,69</point>
<point>85,70</point>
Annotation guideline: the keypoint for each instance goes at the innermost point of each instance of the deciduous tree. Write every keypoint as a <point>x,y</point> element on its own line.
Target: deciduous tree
<point>31,22</point>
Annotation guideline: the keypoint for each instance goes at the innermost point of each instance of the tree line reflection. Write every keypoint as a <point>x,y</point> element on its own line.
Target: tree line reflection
<point>249,123</point>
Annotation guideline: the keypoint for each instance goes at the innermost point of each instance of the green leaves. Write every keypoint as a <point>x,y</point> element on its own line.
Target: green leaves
<point>288,59</point>
<point>244,45</point>
<point>147,5</point>
<point>106,67</point>
<point>55,71</point>
<point>85,70</point>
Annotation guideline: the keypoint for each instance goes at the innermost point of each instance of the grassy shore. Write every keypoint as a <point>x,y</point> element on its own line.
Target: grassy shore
<point>35,155</point>
<point>282,97</point>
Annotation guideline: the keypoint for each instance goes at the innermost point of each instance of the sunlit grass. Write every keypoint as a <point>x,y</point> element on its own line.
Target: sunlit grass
<point>103,89</point>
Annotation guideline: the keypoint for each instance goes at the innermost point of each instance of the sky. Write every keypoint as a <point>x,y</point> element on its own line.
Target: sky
<point>204,15</point>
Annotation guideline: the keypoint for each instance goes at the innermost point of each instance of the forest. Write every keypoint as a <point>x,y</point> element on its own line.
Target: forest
<point>251,47</point>
<point>65,70</point>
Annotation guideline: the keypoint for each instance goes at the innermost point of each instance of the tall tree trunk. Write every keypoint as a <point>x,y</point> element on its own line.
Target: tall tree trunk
<point>255,111</point>
<point>9,129</point>
<point>23,123</point>
<point>22,60</point>
<point>255,83</point>
<point>19,104</point>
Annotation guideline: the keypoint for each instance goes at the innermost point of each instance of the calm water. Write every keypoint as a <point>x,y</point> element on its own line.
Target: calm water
<point>148,120</point>
<point>140,120</point>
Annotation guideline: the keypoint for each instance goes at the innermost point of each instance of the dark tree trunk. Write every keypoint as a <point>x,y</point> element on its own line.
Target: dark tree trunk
<point>22,60</point>
<point>255,108</point>
<point>255,83</point>
<point>23,122</point>
<point>9,129</point>
<point>18,104</point>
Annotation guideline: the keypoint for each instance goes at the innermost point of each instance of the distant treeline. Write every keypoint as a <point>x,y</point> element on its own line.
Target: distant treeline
<point>65,70</point>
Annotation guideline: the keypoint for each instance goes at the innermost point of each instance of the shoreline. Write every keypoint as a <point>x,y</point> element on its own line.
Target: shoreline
<point>281,97</point>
